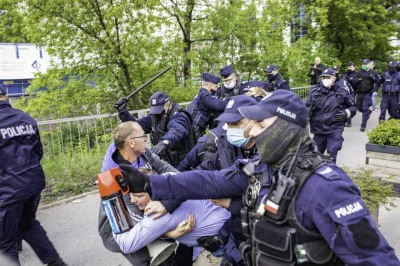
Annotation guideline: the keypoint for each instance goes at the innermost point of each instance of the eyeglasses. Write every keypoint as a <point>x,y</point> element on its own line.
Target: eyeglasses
<point>140,137</point>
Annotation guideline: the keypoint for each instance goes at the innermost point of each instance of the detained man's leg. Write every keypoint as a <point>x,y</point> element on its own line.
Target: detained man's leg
<point>205,258</point>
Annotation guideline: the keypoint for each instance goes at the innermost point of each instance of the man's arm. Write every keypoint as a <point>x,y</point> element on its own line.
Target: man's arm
<point>211,164</point>
<point>192,159</point>
<point>145,232</point>
<point>159,165</point>
<point>214,103</point>
<point>227,183</point>
<point>177,129</point>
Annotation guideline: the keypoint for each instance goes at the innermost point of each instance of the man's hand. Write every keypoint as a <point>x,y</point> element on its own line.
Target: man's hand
<point>159,148</point>
<point>210,243</point>
<point>121,104</point>
<point>183,228</point>
<point>155,207</point>
<point>222,202</point>
<point>136,181</point>
<point>341,115</point>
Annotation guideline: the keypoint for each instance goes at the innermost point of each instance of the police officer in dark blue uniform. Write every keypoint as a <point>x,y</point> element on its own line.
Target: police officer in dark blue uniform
<point>170,126</point>
<point>275,80</point>
<point>204,149</point>
<point>329,104</point>
<point>308,213</point>
<point>390,81</point>
<point>365,86</point>
<point>21,182</point>
<point>231,85</point>
<point>207,104</point>
<point>350,76</point>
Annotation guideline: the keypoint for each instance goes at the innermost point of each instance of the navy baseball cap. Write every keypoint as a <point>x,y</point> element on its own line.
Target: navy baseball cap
<point>350,63</point>
<point>281,103</point>
<point>227,71</point>
<point>365,61</point>
<point>231,113</point>
<point>254,83</point>
<point>157,102</point>
<point>207,77</point>
<point>392,64</point>
<point>2,90</point>
<point>328,72</point>
<point>271,68</point>
<point>336,68</point>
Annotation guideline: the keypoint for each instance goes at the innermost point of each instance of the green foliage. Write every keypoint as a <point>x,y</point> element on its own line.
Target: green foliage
<point>374,191</point>
<point>386,133</point>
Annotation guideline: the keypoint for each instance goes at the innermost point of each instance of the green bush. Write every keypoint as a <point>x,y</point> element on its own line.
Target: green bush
<point>386,133</point>
<point>375,192</point>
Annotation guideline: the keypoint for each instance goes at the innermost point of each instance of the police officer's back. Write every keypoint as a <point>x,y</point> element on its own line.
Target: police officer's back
<point>21,181</point>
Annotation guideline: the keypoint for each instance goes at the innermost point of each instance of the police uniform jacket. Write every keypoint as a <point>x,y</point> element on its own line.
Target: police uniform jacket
<point>21,175</point>
<point>325,103</point>
<point>328,204</point>
<point>178,128</point>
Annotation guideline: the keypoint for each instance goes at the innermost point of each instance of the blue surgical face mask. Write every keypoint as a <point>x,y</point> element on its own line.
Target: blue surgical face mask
<point>235,136</point>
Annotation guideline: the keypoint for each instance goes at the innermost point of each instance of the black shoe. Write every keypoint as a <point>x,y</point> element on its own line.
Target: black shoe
<point>348,125</point>
<point>19,246</point>
<point>58,262</point>
<point>362,129</point>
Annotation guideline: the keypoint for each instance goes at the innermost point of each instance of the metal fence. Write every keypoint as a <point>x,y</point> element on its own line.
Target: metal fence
<point>75,147</point>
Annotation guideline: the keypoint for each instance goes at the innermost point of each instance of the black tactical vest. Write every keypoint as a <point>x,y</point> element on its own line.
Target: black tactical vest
<point>280,239</point>
<point>275,84</point>
<point>391,83</point>
<point>365,83</point>
<point>174,154</point>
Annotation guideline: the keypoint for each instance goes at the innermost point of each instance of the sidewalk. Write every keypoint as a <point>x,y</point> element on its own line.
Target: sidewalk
<point>72,226</point>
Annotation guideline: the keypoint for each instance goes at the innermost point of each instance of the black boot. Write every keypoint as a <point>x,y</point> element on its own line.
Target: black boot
<point>58,262</point>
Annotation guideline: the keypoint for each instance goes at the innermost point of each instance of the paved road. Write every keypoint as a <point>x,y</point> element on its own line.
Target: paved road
<point>73,226</point>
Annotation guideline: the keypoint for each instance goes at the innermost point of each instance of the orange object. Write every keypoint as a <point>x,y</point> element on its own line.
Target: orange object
<point>108,182</point>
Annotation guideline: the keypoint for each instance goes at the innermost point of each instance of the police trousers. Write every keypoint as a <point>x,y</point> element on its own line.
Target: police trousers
<point>390,103</point>
<point>332,143</point>
<point>20,218</point>
<point>364,101</point>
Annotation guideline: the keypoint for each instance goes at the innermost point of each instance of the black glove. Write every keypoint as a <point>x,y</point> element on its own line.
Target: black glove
<point>159,148</point>
<point>341,115</point>
<point>136,181</point>
<point>120,104</point>
<point>210,243</point>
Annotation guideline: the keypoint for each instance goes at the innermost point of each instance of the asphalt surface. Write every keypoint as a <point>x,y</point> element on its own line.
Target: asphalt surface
<point>72,226</point>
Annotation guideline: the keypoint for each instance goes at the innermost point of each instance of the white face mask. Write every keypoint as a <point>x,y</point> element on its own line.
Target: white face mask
<point>327,83</point>
<point>230,85</point>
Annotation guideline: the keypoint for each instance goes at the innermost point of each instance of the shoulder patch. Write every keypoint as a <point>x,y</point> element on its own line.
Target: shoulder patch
<point>348,210</point>
<point>328,173</point>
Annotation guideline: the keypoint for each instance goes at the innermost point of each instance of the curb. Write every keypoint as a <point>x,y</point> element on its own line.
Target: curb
<point>62,201</point>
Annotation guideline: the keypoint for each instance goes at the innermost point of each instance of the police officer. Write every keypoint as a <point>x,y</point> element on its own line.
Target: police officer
<point>21,182</point>
<point>308,213</point>
<point>231,85</point>
<point>390,81</point>
<point>350,76</point>
<point>275,80</point>
<point>329,104</point>
<point>365,87</point>
<point>207,104</point>
<point>315,71</point>
<point>170,126</point>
